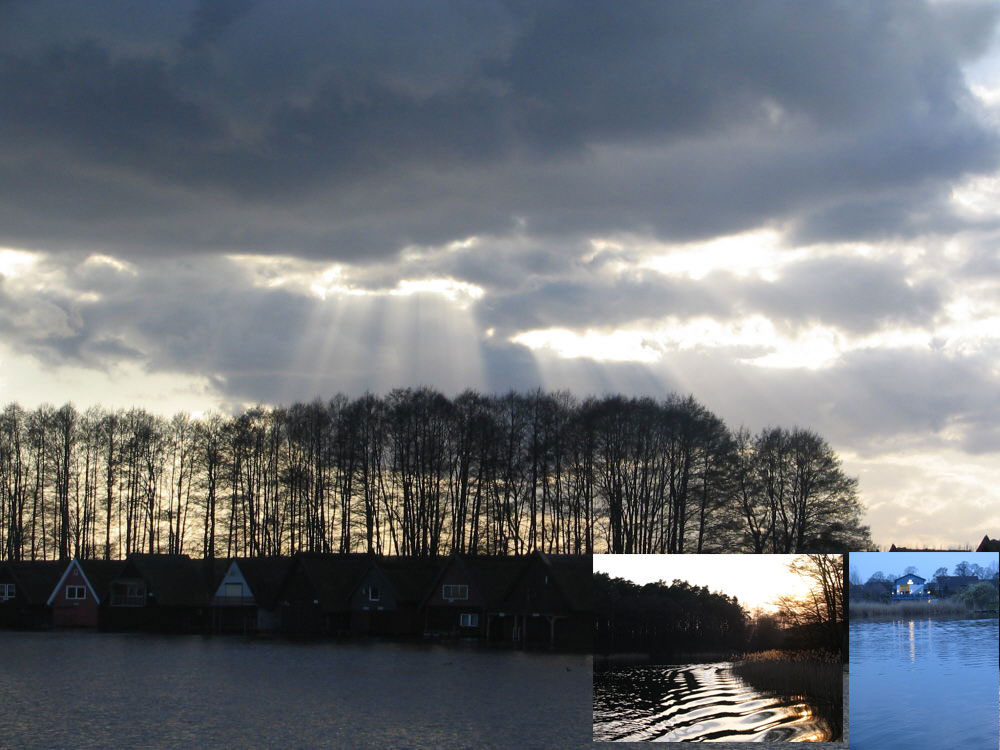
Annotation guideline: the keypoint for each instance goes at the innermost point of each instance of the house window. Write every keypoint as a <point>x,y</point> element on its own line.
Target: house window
<point>76,592</point>
<point>453,591</point>
<point>234,590</point>
<point>468,620</point>
<point>6,591</point>
<point>374,594</point>
<point>128,594</point>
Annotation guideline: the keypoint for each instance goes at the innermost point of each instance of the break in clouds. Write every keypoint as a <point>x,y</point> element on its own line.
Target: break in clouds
<point>784,209</point>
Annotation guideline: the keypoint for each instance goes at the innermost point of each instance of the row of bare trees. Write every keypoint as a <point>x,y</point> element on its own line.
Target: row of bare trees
<point>416,473</point>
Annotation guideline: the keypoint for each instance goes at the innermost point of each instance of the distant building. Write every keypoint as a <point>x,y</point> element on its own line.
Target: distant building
<point>909,585</point>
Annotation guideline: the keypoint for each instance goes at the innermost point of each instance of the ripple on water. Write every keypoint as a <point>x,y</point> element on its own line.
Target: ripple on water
<point>697,703</point>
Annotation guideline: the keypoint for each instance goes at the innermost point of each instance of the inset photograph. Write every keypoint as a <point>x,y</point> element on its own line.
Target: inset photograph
<point>724,648</point>
<point>924,650</point>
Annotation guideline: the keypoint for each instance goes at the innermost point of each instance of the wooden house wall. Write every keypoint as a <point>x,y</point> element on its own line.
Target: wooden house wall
<point>75,613</point>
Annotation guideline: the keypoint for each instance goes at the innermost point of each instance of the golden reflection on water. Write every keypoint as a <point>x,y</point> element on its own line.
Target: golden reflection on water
<point>701,703</point>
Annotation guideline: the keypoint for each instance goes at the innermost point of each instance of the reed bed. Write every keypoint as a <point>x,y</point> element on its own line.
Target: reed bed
<point>813,674</point>
<point>895,610</point>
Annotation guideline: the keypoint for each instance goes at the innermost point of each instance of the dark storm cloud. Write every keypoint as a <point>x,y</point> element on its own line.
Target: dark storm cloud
<point>353,130</point>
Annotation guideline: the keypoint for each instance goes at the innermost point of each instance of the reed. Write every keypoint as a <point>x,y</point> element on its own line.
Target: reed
<point>895,610</point>
<point>812,674</point>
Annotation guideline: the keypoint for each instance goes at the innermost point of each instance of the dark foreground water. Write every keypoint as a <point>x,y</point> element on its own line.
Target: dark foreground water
<point>62,690</point>
<point>697,703</point>
<point>924,684</point>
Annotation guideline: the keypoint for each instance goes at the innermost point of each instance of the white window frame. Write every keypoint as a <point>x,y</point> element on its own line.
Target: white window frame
<point>374,595</point>
<point>468,620</point>
<point>455,592</point>
<point>76,593</point>
<point>8,591</point>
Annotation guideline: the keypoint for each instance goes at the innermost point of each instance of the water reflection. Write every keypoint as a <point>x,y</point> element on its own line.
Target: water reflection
<point>700,703</point>
<point>77,690</point>
<point>924,684</point>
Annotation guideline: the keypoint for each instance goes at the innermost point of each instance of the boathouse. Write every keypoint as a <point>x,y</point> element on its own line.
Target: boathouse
<point>548,603</point>
<point>24,592</point>
<point>387,600</point>
<point>465,591</point>
<point>245,598</point>
<point>160,592</point>
<point>315,598</point>
<point>83,587</point>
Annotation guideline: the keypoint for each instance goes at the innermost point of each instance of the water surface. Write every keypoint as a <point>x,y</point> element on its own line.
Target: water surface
<point>61,690</point>
<point>924,684</point>
<point>697,703</point>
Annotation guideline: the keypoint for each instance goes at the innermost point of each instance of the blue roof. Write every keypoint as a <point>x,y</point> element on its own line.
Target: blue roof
<point>912,577</point>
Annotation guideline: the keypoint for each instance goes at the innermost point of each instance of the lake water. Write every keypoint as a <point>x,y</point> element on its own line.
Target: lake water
<point>697,703</point>
<point>924,684</point>
<point>61,690</point>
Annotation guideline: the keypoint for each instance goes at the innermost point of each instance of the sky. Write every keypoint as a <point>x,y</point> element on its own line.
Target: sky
<point>786,210</point>
<point>894,564</point>
<point>756,580</point>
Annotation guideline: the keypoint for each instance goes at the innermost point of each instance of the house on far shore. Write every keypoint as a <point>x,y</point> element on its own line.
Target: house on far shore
<point>24,592</point>
<point>949,585</point>
<point>988,545</point>
<point>909,587</point>
<point>83,587</point>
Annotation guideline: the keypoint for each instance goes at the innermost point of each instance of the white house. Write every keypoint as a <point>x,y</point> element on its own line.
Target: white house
<point>908,585</point>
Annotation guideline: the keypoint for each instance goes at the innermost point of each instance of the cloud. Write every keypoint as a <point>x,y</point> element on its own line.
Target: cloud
<point>264,127</point>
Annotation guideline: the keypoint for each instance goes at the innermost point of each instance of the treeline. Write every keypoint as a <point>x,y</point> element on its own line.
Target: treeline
<point>665,619</point>
<point>416,473</point>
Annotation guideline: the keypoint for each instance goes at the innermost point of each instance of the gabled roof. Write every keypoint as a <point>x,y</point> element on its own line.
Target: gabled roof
<point>35,579</point>
<point>910,577</point>
<point>101,573</point>
<point>492,576</point>
<point>412,577</point>
<point>574,575</point>
<point>171,580</point>
<point>495,575</point>
<point>97,576</point>
<point>264,576</point>
<point>988,545</point>
<point>333,577</point>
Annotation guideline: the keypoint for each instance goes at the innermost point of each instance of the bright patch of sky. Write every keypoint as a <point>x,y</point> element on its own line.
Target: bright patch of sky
<point>25,380</point>
<point>756,580</point>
